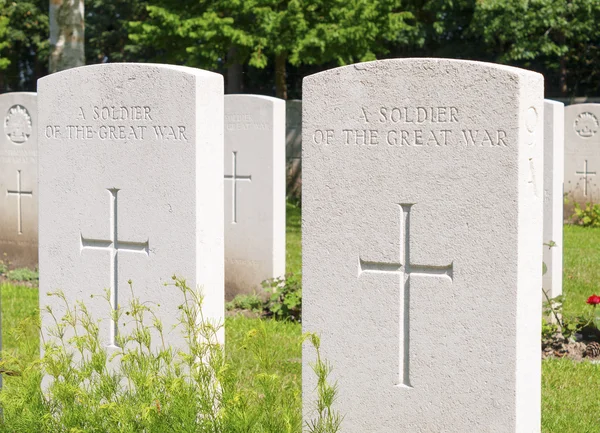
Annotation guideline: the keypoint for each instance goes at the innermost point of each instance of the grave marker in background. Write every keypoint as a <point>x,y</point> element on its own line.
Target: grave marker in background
<point>18,179</point>
<point>254,192</point>
<point>422,234</point>
<point>131,189</point>
<point>554,166</point>
<point>293,154</point>
<point>582,153</point>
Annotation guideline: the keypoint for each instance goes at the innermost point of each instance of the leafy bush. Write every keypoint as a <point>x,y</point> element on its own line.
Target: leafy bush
<point>285,301</point>
<point>23,274</point>
<point>246,302</point>
<point>589,216</point>
<point>554,321</point>
<point>151,387</point>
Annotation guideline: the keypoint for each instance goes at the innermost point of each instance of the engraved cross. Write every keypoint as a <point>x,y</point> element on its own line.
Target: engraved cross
<point>235,178</point>
<point>405,271</point>
<point>19,193</point>
<point>585,174</point>
<point>114,246</point>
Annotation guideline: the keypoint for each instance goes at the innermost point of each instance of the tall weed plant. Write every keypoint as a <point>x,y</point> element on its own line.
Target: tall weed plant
<point>147,386</point>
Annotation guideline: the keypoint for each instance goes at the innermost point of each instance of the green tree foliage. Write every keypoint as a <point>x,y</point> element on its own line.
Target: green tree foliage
<point>107,31</point>
<point>189,32</point>
<point>558,36</point>
<point>23,43</point>
<point>273,32</point>
<point>273,44</point>
<point>4,62</point>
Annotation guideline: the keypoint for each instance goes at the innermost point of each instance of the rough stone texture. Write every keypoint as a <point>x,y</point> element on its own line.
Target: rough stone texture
<point>131,188</point>
<point>19,179</point>
<point>582,152</point>
<point>254,192</point>
<point>293,157</point>
<point>425,173</point>
<point>554,166</point>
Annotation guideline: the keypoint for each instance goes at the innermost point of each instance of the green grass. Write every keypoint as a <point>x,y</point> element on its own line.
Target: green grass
<point>581,267</point>
<point>570,401</point>
<point>293,256</point>
<point>19,320</point>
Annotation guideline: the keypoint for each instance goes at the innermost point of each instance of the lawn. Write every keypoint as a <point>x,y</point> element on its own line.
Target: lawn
<point>570,401</point>
<point>581,267</point>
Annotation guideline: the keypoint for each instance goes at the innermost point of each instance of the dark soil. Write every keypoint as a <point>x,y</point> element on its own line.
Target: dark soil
<point>574,348</point>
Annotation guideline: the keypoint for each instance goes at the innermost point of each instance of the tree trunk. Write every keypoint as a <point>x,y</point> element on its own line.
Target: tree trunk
<point>66,34</point>
<point>235,71</point>
<point>563,77</point>
<point>280,86</point>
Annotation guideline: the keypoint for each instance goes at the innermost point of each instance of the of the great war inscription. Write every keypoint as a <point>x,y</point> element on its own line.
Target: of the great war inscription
<point>412,127</point>
<point>128,123</point>
<point>244,122</point>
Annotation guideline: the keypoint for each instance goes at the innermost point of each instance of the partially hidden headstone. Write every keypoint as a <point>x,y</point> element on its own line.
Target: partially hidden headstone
<point>554,166</point>
<point>293,154</point>
<point>582,153</point>
<point>422,234</point>
<point>19,179</point>
<point>254,192</point>
<point>131,190</point>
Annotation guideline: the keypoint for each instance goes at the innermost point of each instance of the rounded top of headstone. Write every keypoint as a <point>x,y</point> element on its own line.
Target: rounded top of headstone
<point>252,96</point>
<point>553,102</point>
<point>581,107</point>
<point>240,98</point>
<point>121,68</point>
<point>421,65</point>
<point>16,94</point>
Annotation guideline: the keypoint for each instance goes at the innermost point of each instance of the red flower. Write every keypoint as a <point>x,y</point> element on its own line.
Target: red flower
<point>593,300</point>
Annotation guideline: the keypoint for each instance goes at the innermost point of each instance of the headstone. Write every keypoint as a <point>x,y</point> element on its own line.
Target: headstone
<point>18,179</point>
<point>422,234</point>
<point>582,153</point>
<point>131,189</point>
<point>254,192</point>
<point>293,120</point>
<point>554,166</point>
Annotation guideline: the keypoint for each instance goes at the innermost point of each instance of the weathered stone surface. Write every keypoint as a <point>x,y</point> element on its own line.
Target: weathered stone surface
<point>131,189</point>
<point>582,152</point>
<point>18,179</point>
<point>254,192</point>
<point>422,234</point>
<point>554,170</point>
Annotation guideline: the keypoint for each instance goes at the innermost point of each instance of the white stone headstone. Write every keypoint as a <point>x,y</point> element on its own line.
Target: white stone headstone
<point>554,166</point>
<point>254,192</point>
<point>18,179</point>
<point>582,152</point>
<point>422,234</point>
<point>293,154</point>
<point>131,189</point>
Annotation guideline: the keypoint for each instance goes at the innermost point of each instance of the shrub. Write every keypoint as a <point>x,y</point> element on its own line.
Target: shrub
<point>285,300</point>
<point>589,216</point>
<point>23,274</point>
<point>246,302</point>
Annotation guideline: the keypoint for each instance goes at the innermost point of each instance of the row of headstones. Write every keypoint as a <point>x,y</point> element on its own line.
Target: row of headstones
<point>254,179</point>
<point>255,212</point>
<point>422,224</point>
